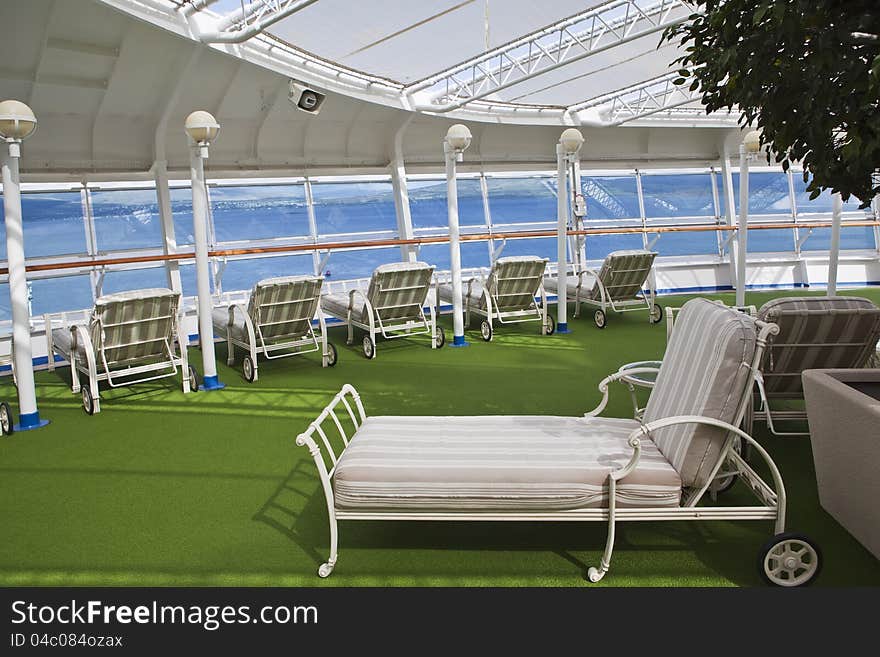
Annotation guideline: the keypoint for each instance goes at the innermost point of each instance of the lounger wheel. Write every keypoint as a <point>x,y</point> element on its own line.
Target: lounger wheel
<point>369,347</point>
<point>656,313</point>
<point>5,419</point>
<point>550,326</point>
<point>193,379</point>
<point>486,330</point>
<point>440,338</point>
<point>248,369</point>
<point>324,570</point>
<point>789,560</point>
<point>600,318</point>
<point>332,356</point>
<point>594,575</point>
<point>88,402</point>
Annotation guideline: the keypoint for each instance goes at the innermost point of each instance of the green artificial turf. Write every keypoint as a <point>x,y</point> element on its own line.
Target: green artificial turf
<point>209,488</point>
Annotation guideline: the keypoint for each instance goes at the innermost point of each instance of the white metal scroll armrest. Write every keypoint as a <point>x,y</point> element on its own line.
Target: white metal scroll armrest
<point>617,376</point>
<point>778,485</point>
<point>248,323</point>
<point>367,304</point>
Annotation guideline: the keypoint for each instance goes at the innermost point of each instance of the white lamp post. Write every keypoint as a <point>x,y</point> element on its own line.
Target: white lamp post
<point>750,147</point>
<point>834,247</point>
<point>202,128</point>
<point>570,142</point>
<point>17,123</point>
<point>458,138</point>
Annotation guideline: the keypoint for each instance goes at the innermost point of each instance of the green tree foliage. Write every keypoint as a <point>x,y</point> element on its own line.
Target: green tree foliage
<point>807,72</point>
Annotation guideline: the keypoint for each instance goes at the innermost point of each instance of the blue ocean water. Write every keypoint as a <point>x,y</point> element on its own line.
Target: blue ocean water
<point>129,219</point>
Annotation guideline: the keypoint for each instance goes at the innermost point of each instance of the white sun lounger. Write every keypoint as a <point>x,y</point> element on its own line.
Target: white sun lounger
<point>620,286</point>
<point>814,333</point>
<point>392,305</point>
<point>545,468</point>
<point>506,294</point>
<point>129,338</point>
<point>276,323</point>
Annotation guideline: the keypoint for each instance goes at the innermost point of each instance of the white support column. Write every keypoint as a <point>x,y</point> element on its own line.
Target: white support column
<point>561,240</point>
<point>579,244</point>
<point>834,248</point>
<point>742,232</point>
<point>313,227</point>
<point>652,276</point>
<point>487,216</point>
<point>29,415</point>
<point>166,217</point>
<point>729,214</point>
<point>203,273</point>
<point>454,247</point>
<point>408,252</point>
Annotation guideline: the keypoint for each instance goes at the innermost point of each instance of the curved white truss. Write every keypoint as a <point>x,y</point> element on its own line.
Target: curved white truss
<point>590,32</point>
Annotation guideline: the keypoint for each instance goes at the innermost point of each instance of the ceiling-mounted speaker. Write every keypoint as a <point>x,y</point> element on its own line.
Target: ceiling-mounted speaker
<point>305,98</point>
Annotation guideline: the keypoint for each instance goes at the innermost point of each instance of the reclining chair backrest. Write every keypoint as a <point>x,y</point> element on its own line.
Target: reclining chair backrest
<point>816,333</point>
<point>284,307</point>
<point>703,373</point>
<point>624,273</point>
<point>514,282</point>
<point>134,326</point>
<point>398,290</point>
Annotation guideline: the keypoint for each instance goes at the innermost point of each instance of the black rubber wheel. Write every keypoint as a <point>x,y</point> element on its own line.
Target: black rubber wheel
<point>600,319</point>
<point>440,338</point>
<point>550,326</point>
<point>486,330</point>
<point>332,355</point>
<point>656,313</point>
<point>88,403</point>
<point>248,369</point>
<point>369,348</point>
<point>789,560</point>
<point>193,380</point>
<point>6,428</point>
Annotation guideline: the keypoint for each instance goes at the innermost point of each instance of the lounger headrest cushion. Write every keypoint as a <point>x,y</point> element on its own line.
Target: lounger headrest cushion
<point>702,374</point>
<point>401,266</point>
<point>131,295</point>
<point>508,259</point>
<point>284,280</point>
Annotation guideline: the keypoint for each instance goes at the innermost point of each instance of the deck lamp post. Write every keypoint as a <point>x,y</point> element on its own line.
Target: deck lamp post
<point>17,123</point>
<point>748,149</point>
<point>834,247</point>
<point>202,128</point>
<point>567,149</point>
<point>458,138</point>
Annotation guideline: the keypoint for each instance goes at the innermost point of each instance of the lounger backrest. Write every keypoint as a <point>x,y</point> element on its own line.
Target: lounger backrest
<point>704,372</point>
<point>398,290</point>
<point>816,333</point>
<point>514,281</point>
<point>134,326</point>
<point>284,307</point>
<point>624,273</point>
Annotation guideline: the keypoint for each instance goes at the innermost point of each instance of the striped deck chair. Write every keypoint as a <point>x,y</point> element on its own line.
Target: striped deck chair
<point>391,305</point>
<point>277,323</point>
<point>619,285</point>
<point>506,294</point>
<point>814,333</point>
<point>129,338</point>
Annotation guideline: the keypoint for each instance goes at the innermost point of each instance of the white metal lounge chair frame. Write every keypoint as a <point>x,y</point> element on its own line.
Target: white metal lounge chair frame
<point>419,325</point>
<point>256,344</point>
<point>606,298</point>
<point>772,498</point>
<point>533,313</point>
<point>104,371</point>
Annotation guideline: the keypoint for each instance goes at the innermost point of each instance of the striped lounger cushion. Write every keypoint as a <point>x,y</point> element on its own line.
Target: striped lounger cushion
<point>129,326</point>
<point>514,279</point>
<point>509,463</point>
<point>284,305</point>
<point>702,373</point>
<point>849,326</point>
<point>416,275</point>
<point>623,273</point>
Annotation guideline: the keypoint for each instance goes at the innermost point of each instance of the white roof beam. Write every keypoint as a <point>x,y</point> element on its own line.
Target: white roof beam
<point>252,19</point>
<point>611,24</point>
